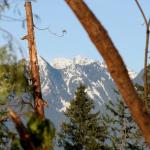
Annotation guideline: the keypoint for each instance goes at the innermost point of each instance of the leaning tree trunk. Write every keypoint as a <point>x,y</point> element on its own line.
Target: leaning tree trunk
<point>115,64</point>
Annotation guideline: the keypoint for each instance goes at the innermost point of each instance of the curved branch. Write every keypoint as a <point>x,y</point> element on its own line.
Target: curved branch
<point>48,29</point>
<point>115,64</point>
<point>147,23</point>
<point>142,12</point>
<point>40,28</point>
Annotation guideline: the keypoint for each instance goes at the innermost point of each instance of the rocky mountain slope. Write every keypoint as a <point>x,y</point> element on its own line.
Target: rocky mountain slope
<point>61,78</point>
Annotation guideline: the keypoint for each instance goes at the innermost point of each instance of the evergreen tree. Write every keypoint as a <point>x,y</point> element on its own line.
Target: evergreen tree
<point>84,129</point>
<point>123,133</point>
<point>42,132</point>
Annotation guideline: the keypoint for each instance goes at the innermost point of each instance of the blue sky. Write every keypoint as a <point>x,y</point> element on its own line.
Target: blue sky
<point>121,18</point>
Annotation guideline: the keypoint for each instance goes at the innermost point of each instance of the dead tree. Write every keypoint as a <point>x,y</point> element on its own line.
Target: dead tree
<point>37,94</point>
<point>25,137</point>
<point>115,64</point>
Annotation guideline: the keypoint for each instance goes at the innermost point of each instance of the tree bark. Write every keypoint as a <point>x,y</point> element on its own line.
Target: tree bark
<point>146,71</point>
<point>38,101</point>
<point>25,139</point>
<point>115,64</point>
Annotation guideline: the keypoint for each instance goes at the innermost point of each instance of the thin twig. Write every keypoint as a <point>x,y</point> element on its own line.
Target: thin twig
<point>142,12</point>
<point>149,23</point>
<point>48,29</point>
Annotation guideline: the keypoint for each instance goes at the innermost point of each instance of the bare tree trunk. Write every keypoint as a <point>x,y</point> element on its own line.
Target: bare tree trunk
<point>25,139</point>
<point>115,64</point>
<point>38,102</point>
<point>147,24</point>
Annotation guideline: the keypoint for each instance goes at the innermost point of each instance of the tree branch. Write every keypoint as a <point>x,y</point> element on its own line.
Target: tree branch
<point>147,24</point>
<point>115,64</point>
<point>142,12</point>
<point>25,139</point>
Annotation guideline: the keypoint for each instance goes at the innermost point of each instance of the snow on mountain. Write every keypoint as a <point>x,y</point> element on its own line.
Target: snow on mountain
<point>53,89</point>
<point>60,79</point>
<point>60,63</point>
<point>82,60</point>
<point>132,74</point>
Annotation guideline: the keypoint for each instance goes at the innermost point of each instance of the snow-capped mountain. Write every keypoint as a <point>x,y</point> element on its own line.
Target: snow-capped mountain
<point>61,77</point>
<point>132,74</point>
<point>61,63</point>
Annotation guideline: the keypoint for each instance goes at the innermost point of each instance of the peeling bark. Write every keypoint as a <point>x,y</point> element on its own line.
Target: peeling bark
<point>115,64</point>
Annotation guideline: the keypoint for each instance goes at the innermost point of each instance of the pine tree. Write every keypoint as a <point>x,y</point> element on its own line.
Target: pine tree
<point>123,133</point>
<point>84,129</point>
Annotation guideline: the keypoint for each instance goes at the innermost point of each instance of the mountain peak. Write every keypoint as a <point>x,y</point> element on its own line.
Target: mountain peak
<point>59,83</point>
<point>82,60</point>
<point>132,74</point>
<point>61,63</point>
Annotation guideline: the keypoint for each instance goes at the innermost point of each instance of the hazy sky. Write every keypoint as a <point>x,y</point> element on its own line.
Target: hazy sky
<point>121,18</point>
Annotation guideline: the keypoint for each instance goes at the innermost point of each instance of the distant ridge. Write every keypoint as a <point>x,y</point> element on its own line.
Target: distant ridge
<point>61,77</point>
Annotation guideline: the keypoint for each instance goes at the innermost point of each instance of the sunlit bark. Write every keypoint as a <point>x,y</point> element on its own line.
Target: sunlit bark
<point>38,102</point>
<point>115,64</point>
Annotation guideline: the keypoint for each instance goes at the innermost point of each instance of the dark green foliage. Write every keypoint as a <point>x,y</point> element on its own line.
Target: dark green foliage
<point>12,76</point>
<point>13,83</point>
<point>14,90</point>
<point>123,134</point>
<point>15,144</point>
<point>42,132</point>
<point>84,130</point>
